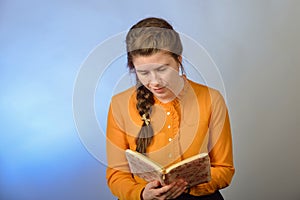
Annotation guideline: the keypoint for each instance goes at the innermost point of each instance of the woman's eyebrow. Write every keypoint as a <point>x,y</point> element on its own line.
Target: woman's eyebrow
<point>141,70</point>
<point>156,68</point>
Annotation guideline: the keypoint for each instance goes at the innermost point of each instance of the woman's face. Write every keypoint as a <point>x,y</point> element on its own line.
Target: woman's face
<point>160,74</point>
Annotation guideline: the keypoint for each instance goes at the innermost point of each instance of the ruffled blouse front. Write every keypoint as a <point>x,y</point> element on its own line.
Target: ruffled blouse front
<point>165,121</point>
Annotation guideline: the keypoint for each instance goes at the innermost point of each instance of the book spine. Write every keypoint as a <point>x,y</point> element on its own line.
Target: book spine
<point>163,177</point>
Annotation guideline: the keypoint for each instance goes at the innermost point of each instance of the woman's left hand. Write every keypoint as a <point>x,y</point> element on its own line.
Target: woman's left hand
<point>172,191</point>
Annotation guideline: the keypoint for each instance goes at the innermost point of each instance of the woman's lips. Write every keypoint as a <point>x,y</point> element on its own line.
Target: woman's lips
<point>158,90</point>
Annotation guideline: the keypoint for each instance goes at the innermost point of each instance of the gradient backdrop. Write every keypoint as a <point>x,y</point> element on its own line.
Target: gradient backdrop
<point>254,43</point>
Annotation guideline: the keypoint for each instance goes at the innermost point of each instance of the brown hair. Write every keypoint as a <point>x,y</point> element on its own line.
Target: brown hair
<point>147,37</point>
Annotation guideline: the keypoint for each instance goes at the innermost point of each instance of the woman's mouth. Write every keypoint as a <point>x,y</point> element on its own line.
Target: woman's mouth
<point>158,90</point>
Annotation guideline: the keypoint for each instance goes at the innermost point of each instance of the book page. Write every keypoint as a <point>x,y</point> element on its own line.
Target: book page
<point>186,161</point>
<point>144,167</point>
<point>141,163</point>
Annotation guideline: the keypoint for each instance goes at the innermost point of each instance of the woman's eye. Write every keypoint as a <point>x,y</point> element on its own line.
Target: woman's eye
<point>161,69</point>
<point>144,73</point>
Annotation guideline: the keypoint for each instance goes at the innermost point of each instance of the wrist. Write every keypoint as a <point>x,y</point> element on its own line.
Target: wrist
<point>141,194</point>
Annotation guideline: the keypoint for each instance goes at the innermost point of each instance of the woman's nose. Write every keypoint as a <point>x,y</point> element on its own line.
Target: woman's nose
<point>154,79</point>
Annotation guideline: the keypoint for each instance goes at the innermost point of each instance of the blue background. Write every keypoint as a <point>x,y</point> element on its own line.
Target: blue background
<point>255,44</point>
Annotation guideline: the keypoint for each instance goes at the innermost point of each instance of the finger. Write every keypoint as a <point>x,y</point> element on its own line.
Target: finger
<point>150,191</point>
<point>165,189</point>
<point>153,184</point>
<point>176,190</point>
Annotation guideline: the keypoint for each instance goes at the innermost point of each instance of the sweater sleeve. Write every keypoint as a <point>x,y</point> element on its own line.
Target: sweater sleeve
<point>119,179</point>
<point>220,149</point>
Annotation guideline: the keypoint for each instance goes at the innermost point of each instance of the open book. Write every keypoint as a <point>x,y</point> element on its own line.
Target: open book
<point>194,170</point>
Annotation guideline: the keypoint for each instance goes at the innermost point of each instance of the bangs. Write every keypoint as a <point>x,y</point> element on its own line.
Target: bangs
<point>145,52</point>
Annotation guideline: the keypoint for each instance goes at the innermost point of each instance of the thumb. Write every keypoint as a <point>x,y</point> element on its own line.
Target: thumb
<point>154,184</point>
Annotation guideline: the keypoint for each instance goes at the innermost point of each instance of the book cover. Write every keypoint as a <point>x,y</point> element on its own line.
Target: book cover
<point>194,170</point>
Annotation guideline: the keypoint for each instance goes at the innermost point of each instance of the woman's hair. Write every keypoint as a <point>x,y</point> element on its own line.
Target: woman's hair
<point>147,37</point>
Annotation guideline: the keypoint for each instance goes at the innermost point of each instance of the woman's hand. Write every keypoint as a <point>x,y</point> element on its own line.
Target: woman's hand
<point>154,190</point>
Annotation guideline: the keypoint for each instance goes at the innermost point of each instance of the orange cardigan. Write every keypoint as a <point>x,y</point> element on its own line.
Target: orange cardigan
<point>196,121</point>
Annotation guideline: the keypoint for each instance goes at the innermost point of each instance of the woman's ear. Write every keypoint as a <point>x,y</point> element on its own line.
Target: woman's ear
<point>180,67</point>
<point>180,59</point>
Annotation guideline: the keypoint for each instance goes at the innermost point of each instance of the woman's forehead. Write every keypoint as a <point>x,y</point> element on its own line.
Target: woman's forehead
<point>156,59</point>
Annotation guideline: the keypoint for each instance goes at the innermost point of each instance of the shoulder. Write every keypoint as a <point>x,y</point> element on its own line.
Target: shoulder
<point>208,98</point>
<point>125,95</point>
<point>124,102</point>
<point>204,90</point>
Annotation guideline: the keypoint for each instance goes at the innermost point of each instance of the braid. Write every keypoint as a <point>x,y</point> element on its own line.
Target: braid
<point>145,101</point>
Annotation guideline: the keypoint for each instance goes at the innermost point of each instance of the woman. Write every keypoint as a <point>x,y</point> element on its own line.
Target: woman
<point>167,117</point>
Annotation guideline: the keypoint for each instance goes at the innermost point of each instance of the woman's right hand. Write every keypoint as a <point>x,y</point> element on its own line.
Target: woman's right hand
<point>154,190</point>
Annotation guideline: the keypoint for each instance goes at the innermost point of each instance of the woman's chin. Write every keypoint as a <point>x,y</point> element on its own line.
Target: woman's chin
<point>165,98</point>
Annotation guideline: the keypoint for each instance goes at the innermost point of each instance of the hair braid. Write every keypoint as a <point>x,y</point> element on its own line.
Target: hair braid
<point>145,101</point>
